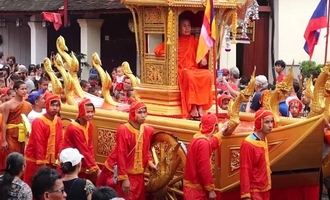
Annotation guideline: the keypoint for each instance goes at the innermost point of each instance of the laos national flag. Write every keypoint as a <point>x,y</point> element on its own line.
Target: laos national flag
<point>317,21</point>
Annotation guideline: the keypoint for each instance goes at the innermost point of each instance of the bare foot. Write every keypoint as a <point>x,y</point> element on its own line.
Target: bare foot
<point>200,111</point>
<point>194,111</point>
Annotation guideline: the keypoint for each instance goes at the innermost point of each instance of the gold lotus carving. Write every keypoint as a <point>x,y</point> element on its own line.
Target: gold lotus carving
<point>106,141</point>
<point>153,16</point>
<point>234,159</point>
<point>154,73</point>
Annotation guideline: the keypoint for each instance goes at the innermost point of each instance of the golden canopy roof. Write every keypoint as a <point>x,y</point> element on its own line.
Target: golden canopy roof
<point>186,3</point>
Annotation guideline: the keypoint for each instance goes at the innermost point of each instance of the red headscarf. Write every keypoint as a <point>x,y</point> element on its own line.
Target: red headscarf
<point>133,108</point>
<point>82,107</point>
<point>296,102</point>
<point>223,97</point>
<point>208,123</point>
<point>49,98</point>
<point>4,91</point>
<point>259,118</point>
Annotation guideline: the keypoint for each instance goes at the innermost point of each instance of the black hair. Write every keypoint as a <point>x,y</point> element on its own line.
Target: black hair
<point>12,58</point>
<point>5,68</point>
<point>14,77</point>
<point>67,167</point>
<point>83,83</point>
<point>31,68</point>
<point>18,84</point>
<point>14,166</point>
<point>91,104</point>
<point>43,181</point>
<point>42,79</point>
<point>280,63</point>
<point>104,193</point>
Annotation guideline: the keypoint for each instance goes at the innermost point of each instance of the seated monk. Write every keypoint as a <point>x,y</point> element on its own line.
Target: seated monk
<point>195,83</point>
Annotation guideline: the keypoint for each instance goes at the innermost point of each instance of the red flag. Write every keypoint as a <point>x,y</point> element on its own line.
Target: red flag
<point>55,18</point>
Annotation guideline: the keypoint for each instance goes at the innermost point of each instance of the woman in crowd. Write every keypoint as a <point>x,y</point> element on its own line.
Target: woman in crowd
<point>75,187</point>
<point>11,185</point>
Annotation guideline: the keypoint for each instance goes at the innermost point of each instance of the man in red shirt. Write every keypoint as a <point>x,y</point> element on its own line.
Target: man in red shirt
<point>254,159</point>
<point>279,68</point>
<point>45,142</point>
<point>198,178</point>
<point>124,167</point>
<point>79,135</point>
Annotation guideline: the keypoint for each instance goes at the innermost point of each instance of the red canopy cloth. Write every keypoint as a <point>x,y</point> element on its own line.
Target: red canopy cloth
<point>55,18</point>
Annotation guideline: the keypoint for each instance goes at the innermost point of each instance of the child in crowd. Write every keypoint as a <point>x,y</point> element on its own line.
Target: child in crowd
<point>223,101</point>
<point>295,107</point>
<point>120,75</point>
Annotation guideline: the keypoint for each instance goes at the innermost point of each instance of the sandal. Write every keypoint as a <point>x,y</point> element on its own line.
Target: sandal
<point>195,118</point>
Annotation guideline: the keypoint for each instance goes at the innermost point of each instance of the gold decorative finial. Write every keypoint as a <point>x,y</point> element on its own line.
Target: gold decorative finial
<point>105,79</point>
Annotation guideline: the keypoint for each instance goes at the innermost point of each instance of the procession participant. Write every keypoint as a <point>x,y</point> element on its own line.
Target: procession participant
<point>195,83</point>
<point>223,101</point>
<point>124,167</point>
<point>198,178</point>
<point>13,127</point>
<point>295,107</point>
<point>255,170</point>
<point>79,135</point>
<point>45,142</point>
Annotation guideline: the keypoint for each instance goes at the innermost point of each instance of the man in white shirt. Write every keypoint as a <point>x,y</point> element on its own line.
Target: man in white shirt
<point>36,98</point>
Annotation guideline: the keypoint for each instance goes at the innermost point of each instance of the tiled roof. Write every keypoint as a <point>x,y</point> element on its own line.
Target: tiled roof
<point>53,5</point>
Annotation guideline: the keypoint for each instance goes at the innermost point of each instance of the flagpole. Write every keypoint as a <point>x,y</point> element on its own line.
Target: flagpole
<point>215,79</point>
<point>327,38</point>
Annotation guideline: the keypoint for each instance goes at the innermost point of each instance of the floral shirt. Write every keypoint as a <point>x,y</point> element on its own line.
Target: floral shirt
<point>19,190</point>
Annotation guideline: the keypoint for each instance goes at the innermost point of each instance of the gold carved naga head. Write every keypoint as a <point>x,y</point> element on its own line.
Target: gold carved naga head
<point>286,86</point>
<point>61,43</point>
<point>249,90</point>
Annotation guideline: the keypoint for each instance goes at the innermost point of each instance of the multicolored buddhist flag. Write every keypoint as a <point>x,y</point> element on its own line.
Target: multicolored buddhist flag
<point>317,21</point>
<point>208,32</point>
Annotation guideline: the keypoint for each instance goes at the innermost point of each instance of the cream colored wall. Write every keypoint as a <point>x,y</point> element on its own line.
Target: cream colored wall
<point>16,42</point>
<point>293,17</point>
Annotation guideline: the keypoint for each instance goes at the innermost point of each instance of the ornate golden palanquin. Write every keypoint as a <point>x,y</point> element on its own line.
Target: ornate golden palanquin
<point>158,21</point>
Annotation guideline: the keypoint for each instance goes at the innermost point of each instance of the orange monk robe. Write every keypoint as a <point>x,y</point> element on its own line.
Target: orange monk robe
<point>44,146</point>
<point>131,156</point>
<point>198,177</point>
<point>195,83</point>
<point>254,169</point>
<point>14,123</point>
<point>81,138</point>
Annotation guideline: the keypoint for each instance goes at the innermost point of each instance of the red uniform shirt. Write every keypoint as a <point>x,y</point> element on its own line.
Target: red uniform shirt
<point>198,171</point>
<point>254,167</point>
<point>81,138</point>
